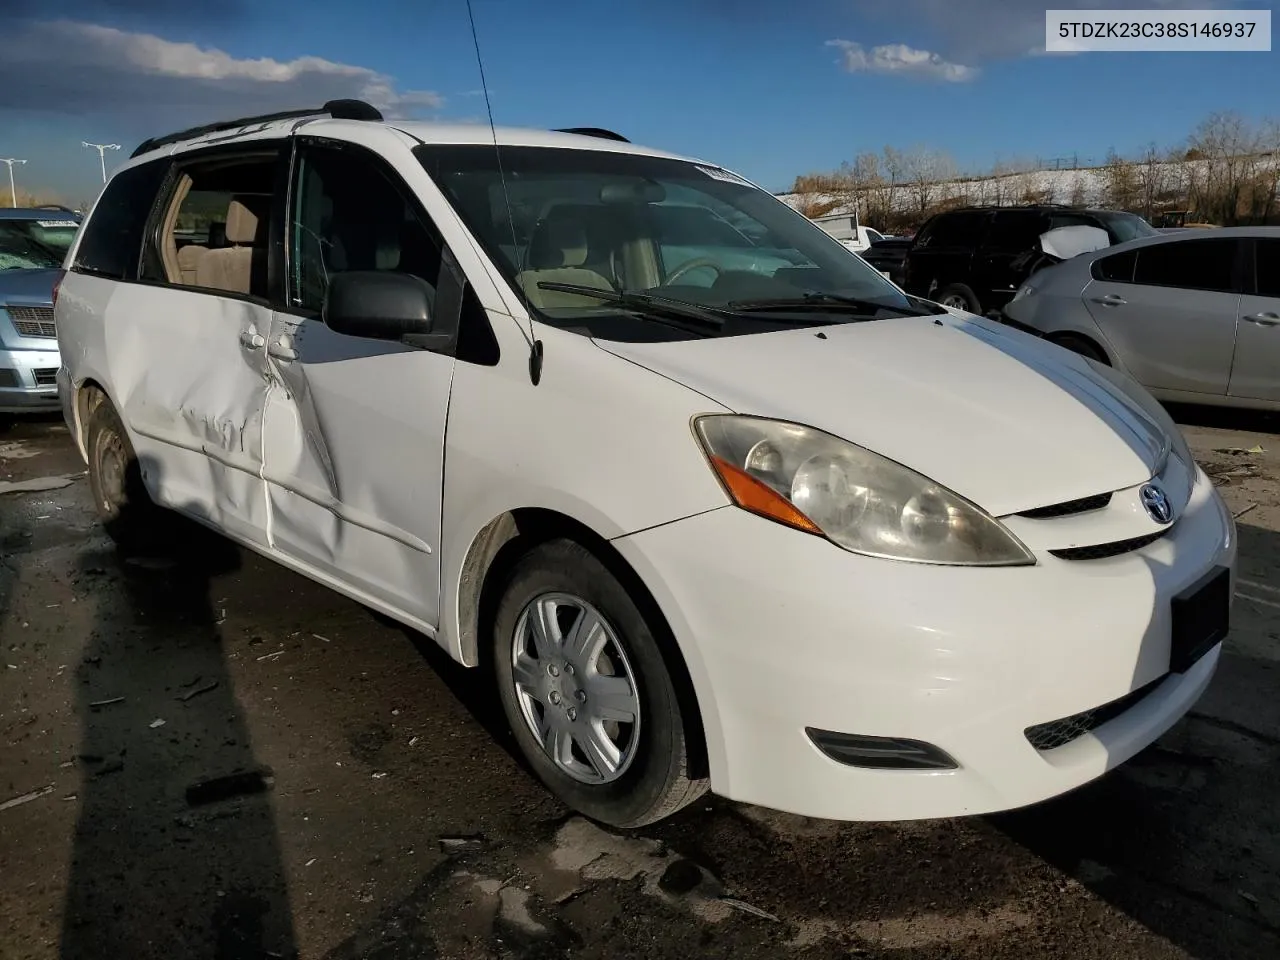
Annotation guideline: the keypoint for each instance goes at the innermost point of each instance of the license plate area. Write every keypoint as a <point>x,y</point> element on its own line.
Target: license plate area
<point>1201,617</point>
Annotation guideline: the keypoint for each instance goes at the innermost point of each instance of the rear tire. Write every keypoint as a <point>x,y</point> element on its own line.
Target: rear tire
<point>1081,345</point>
<point>124,507</point>
<point>959,297</point>
<point>566,702</point>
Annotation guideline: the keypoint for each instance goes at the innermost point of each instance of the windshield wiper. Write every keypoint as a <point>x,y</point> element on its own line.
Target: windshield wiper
<point>821,301</point>
<point>703,319</point>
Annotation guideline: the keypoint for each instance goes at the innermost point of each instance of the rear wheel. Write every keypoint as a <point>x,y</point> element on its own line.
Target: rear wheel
<point>120,497</point>
<point>957,296</point>
<point>1081,345</point>
<point>587,691</point>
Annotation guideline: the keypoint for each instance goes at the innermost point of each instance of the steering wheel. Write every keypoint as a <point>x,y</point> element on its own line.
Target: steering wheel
<point>689,266</point>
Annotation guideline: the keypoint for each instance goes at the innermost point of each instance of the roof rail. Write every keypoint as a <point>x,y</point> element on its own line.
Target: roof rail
<point>337,109</point>
<point>600,132</point>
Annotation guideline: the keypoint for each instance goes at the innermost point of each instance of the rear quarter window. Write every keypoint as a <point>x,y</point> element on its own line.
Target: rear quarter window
<point>964,230</point>
<point>111,244</point>
<point>1117,268</point>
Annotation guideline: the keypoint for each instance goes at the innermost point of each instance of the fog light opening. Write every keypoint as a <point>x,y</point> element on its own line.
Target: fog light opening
<point>880,753</point>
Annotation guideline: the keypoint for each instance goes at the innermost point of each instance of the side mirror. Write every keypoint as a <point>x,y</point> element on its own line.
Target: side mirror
<point>382,305</point>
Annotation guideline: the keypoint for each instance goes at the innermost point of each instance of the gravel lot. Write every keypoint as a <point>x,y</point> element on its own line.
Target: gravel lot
<point>217,758</point>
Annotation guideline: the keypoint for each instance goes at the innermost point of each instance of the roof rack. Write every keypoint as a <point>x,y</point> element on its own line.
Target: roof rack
<point>337,109</point>
<point>600,132</point>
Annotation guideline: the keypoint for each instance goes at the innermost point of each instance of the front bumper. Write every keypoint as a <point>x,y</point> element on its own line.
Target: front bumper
<point>783,631</point>
<point>28,380</point>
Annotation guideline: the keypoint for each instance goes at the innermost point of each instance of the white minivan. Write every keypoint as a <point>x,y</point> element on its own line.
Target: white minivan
<point>754,521</point>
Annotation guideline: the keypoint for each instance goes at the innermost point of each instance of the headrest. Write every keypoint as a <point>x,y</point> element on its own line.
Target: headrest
<point>242,218</point>
<point>559,240</point>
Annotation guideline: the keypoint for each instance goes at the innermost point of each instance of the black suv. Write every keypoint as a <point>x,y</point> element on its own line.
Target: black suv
<point>975,258</point>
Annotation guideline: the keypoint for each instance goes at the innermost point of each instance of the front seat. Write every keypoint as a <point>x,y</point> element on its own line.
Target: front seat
<point>558,248</point>
<point>239,267</point>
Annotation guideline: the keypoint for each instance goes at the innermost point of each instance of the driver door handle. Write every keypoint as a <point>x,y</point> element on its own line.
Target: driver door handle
<point>1265,319</point>
<point>251,339</point>
<point>1111,300</point>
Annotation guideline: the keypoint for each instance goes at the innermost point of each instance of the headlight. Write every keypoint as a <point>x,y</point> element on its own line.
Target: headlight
<point>812,481</point>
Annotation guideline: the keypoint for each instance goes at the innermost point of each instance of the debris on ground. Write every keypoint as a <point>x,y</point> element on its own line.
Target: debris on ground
<point>272,655</point>
<point>156,723</point>
<point>1248,897</point>
<point>242,783</point>
<point>26,798</point>
<point>36,485</point>
<point>105,703</point>
<point>1241,451</point>
<point>152,563</point>
<point>211,685</point>
<point>458,844</point>
<point>1240,513</point>
<point>745,907</point>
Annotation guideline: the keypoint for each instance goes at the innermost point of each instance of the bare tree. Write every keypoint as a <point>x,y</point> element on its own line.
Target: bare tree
<point>1152,176</point>
<point>1229,147</point>
<point>1077,191</point>
<point>894,165</point>
<point>1122,189</point>
<point>926,170</point>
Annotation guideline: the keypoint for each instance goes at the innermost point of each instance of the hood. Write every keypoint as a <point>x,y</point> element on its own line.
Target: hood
<point>28,286</point>
<point>1000,417</point>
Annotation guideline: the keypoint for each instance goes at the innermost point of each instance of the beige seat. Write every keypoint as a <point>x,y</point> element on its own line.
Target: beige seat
<point>188,262</point>
<point>239,267</point>
<point>558,250</point>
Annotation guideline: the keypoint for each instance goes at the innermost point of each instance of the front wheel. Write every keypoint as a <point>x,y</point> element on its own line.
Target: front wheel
<point>957,296</point>
<point>587,691</point>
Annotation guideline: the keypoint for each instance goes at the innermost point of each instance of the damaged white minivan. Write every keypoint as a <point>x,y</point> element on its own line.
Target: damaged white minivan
<point>716,504</point>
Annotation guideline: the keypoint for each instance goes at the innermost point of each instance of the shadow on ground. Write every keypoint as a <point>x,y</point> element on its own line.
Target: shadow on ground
<point>175,850</point>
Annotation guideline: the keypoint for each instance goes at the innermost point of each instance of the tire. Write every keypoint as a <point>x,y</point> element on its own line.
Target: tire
<point>650,777</point>
<point>1081,345</point>
<point>961,297</point>
<point>120,498</point>
<point>6,422</point>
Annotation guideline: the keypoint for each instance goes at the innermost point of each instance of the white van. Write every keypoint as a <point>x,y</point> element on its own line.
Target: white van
<point>762,523</point>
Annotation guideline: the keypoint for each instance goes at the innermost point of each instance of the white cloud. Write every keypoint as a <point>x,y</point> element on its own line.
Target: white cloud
<point>96,68</point>
<point>898,58</point>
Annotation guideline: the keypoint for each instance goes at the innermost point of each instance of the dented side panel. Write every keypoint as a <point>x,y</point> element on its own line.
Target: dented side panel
<point>354,459</point>
<point>188,374</point>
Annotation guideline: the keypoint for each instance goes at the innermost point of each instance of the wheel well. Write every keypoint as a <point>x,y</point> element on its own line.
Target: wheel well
<point>508,537</point>
<point>1065,337</point>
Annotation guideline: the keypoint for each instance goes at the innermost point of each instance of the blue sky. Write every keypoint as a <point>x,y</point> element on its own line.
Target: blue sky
<point>757,86</point>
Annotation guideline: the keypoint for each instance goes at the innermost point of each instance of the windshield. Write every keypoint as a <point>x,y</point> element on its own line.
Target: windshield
<point>670,230</point>
<point>1128,226</point>
<point>35,244</point>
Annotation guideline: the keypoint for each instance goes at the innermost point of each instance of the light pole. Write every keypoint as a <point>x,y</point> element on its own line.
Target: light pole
<point>13,192</point>
<point>102,149</point>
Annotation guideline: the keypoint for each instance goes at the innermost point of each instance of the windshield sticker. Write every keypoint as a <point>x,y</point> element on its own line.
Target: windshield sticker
<point>57,223</point>
<point>715,173</point>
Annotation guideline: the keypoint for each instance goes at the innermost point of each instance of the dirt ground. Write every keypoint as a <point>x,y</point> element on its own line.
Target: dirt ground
<point>216,758</point>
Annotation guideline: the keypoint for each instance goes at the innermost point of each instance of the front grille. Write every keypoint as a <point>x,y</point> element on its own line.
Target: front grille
<point>1068,509</point>
<point>1058,733</point>
<point>1102,551</point>
<point>46,376</point>
<point>33,321</point>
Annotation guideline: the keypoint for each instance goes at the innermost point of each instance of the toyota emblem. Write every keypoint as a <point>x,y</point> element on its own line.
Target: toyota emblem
<point>1156,502</point>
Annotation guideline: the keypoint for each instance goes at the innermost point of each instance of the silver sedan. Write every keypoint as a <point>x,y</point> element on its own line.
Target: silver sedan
<point>1190,316</point>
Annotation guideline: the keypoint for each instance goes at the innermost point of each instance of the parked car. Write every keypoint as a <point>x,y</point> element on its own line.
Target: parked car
<point>889,257</point>
<point>975,258</point>
<point>33,243</point>
<point>799,536</point>
<point>851,233</point>
<point>1190,316</point>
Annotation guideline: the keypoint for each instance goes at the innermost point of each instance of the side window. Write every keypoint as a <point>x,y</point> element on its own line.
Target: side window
<point>1117,268</point>
<point>955,230</point>
<point>1057,220</point>
<point>1191,265</point>
<point>214,232</point>
<point>1267,267</point>
<point>349,213</point>
<point>112,241</point>
<point>1013,231</point>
